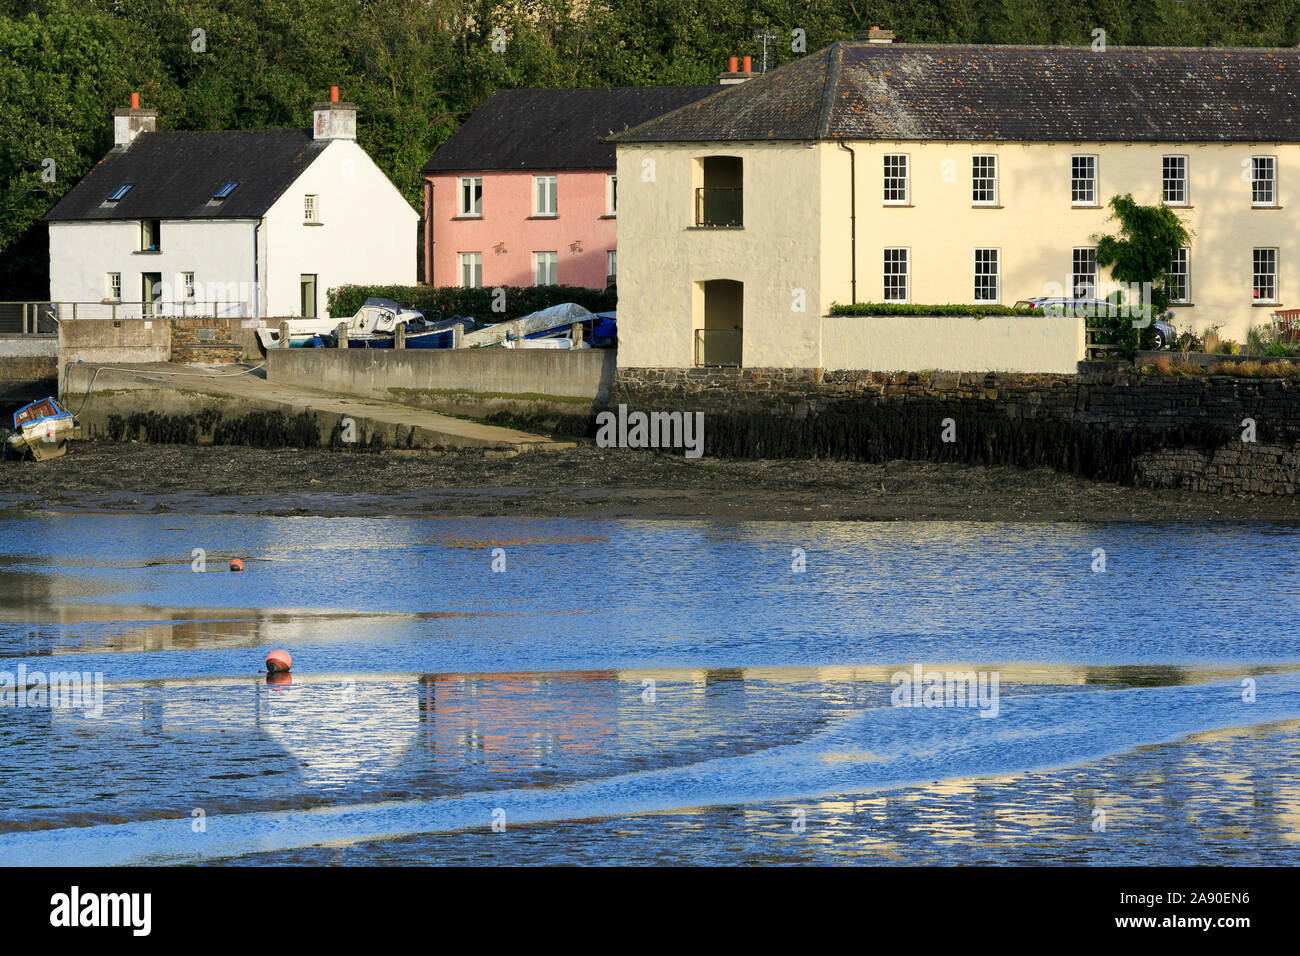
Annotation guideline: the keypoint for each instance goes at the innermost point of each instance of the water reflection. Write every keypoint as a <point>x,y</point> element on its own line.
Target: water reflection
<point>619,650</point>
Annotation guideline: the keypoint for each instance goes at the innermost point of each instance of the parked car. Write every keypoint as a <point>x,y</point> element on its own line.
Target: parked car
<point>1091,306</point>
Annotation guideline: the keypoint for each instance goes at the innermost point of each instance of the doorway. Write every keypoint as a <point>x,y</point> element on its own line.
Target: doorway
<point>307,288</point>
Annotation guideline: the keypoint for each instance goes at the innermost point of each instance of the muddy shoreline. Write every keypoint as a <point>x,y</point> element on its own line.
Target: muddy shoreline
<point>586,482</point>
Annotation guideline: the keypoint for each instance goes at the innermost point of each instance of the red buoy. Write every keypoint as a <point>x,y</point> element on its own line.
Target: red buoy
<point>236,565</point>
<point>278,661</point>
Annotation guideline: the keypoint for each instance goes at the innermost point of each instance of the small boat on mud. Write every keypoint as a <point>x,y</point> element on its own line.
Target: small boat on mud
<point>42,429</point>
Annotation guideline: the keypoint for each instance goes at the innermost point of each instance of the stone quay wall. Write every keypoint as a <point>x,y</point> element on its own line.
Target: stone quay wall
<point>1215,433</point>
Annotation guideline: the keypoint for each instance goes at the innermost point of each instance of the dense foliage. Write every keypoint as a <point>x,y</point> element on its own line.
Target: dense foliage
<point>417,68</point>
<point>452,300</point>
<point>1149,237</point>
<point>900,308</point>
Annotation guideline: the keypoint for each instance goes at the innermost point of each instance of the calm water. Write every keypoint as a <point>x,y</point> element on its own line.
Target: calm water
<point>648,692</point>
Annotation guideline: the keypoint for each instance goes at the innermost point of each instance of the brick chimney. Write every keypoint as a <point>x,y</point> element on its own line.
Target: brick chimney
<point>130,123</point>
<point>334,120</point>
<point>733,75</point>
<point>875,35</point>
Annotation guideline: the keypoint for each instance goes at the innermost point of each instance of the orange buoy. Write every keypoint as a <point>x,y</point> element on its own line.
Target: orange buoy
<point>236,565</point>
<point>278,661</point>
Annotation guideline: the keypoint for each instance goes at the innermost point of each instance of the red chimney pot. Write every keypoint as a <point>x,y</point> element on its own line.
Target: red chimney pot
<point>731,64</point>
<point>334,94</point>
<point>135,101</point>
<point>746,68</point>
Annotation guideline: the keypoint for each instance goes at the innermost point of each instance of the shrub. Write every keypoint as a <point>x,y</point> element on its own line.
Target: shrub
<point>1166,367</point>
<point>907,308</point>
<point>454,300</point>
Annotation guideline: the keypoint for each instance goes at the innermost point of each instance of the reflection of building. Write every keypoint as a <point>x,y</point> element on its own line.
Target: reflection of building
<point>510,718</point>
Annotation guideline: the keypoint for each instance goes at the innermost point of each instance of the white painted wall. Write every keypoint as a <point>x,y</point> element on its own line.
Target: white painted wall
<point>218,252</point>
<point>368,232</point>
<point>368,235</point>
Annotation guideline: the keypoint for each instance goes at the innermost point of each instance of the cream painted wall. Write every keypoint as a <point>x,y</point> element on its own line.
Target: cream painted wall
<point>368,232</point>
<point>662,255</point>
<point>1036,227</point>
<point>915,343</point>
<point>797,235</point>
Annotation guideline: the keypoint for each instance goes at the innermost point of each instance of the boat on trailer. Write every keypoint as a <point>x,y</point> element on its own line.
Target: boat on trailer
<point>378,316</point>
<point>421,334</point>
<point>42,429</point>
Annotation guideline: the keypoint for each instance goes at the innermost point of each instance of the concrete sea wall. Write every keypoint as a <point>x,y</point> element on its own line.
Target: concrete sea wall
<point>525,385</point>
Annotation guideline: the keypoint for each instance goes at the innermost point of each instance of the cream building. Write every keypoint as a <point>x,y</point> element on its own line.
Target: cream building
<point>886,172</point>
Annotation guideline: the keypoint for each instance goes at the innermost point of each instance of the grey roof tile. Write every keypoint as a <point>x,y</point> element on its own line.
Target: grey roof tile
<point>175,174</point>
<point>554,129</point>
<point>864,91</point>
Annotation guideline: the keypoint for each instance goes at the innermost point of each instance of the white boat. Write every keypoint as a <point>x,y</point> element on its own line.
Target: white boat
<point>556,317</point>
<point>376,316</point>
<point>42,429</point>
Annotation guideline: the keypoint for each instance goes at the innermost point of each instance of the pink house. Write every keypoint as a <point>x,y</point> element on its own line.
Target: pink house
<point>525,192</point>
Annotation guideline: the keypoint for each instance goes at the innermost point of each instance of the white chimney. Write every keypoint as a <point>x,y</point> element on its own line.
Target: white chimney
<point>130,123</point>
<point>334,120</point>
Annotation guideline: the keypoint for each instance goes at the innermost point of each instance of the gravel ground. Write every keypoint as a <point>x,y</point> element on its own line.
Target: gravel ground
<point>586,482</point>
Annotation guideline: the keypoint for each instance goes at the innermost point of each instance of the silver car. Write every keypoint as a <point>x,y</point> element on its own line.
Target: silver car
<point>1081,305</point>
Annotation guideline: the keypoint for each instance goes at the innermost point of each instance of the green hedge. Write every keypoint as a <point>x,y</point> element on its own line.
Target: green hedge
<point>453,300</point>
<point>900,308</point>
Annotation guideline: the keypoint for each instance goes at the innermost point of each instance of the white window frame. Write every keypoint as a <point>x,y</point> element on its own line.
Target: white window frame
<point>540,209</point>
<point>900,161</point>
<point>1090,254</point>
<point>113,286</point>
<point>1181,292</point>
<point>611,194</point>
<point>1258,163</point>
<point>1182,181</point>
<point>551,264</point>
<point>474,262</point>
<point>991,166</point>
<point>311,207</point>
<point>1093,180</point>
<point>1271,256</point>
<point>611,262</point>
<point>906,273</point>
<point>187,286</point>
<point>469,206</point>
<point>996,273</point>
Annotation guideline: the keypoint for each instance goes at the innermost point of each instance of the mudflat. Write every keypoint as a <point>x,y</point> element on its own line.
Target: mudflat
<point>587,482</point>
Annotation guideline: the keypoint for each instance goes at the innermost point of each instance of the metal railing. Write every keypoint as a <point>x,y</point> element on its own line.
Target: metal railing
<point>718,347</point>
<point>720,207</point>
<point>29,318</point>
<point>42,318</point>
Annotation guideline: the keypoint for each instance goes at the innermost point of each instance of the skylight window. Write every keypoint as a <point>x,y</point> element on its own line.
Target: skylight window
<point>224,191</point>
<point>119,192</point>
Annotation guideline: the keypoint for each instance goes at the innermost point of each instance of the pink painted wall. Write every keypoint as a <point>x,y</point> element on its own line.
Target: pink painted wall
<point>507,235</point>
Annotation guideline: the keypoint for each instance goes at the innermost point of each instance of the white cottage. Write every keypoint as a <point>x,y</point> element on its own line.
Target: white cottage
<point>256,222</point>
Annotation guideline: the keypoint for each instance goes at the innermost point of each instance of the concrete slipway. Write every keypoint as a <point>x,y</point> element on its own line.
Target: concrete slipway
<point>152,401</point>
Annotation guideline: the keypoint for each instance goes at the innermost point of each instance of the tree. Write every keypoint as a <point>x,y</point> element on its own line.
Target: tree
<point>1149,238</point>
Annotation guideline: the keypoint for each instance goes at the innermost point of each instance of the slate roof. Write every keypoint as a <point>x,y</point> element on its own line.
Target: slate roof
<point>175,174</point>
<point>554,129</point>
<point>869,91</point>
